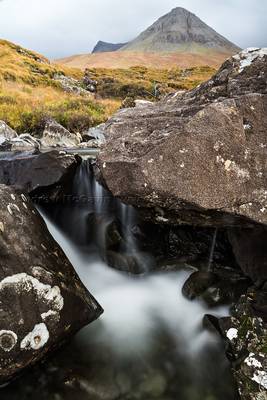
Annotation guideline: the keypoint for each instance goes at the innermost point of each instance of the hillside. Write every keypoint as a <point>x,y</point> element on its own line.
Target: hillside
<point>180,30</point>
<point>123,59</point>
<point>32,89</point>
<point>178,39</point>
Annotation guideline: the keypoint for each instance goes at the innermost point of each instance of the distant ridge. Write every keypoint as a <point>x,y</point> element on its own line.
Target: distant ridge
<point>178,39</point>
<point>103,47</point>
<point>179,30</point>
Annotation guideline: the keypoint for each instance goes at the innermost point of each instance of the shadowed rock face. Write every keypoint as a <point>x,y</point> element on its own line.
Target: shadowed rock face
<point>42,300</point>
<point>196,157</point>
<point>38,173</point>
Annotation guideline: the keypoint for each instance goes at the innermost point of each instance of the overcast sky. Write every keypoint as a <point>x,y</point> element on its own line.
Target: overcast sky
<point>58,28</point>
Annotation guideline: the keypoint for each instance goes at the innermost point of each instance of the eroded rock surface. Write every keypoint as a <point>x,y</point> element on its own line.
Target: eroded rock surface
<point>44,172</point>
<point>42,300</point>
<point>197,157</point>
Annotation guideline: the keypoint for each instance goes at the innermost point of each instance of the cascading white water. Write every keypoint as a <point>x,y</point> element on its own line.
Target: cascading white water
<point>149,342</point>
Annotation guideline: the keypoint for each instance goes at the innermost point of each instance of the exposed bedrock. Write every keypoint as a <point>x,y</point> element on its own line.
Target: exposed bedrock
<point>44,174</point>
<point>42,300</point>
<point>196,157</point>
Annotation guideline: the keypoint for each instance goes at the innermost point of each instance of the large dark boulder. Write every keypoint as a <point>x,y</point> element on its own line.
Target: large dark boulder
<point>196,157</point>
<point>42,300</point>
<point>250,250</point>
<point>48,173</point>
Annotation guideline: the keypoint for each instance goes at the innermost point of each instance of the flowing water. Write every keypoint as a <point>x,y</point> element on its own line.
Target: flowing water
<point>149,344</point>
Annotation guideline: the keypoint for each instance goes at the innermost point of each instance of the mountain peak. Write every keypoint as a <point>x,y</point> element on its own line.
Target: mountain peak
<point>179,10</point>
<point>180,30</point>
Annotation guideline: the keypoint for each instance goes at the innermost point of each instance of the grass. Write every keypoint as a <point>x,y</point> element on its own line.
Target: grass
<point>29,94</point>
<point>140,81</point>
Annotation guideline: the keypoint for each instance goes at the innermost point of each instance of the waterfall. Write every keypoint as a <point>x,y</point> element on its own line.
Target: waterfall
<point>149,339</point>
<point>95,212</point>
<point>214,238</point>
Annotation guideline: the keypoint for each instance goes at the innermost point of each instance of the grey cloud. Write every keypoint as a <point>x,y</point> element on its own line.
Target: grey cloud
<point>58,28</point>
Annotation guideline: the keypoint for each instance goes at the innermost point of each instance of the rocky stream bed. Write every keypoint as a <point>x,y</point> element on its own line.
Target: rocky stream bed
<point>166,229</point>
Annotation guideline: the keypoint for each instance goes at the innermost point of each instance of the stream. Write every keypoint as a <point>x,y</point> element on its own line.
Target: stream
<point>149,344</point>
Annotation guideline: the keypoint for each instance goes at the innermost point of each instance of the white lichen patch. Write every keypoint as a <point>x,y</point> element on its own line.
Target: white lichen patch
<point>261,378</point>
<point>251,361</point>
<point>232,334</point>
<point>161,219</point>
<point>12,207</point>
<point>36,339</point>
<point>247,56</point>
<point>47,294</point>
<point>24,198</point>
<point>2,228</point>
<point>48,314</point>
<point>231,166</point>
<point>13,197</point>
<point>8,340</point>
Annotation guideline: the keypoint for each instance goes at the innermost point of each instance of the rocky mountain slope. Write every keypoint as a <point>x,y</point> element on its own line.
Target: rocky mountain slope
<point>179,38</point>
<point>179,30</point>
<point>103,47</point>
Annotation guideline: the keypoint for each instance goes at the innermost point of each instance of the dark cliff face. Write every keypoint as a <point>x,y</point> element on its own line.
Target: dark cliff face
<point>179,30</point>
<point>103,47</point>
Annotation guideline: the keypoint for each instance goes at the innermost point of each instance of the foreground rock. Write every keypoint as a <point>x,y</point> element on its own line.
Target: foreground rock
<point>246,334</point>
<point>55,135</point>
<point>197,157</point>
<point>47,173</point>
<point>42,299</point>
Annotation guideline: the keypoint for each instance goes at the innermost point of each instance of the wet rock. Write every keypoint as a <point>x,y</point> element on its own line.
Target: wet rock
<point>122,262</point>
<point>43,302</point>
<point>246,335</point>
<point>113,236</point>
<point>197,157</point>
<point>198,283</point>
<point>55,135</point>
<point>249,247</point>
<point>39,174</point>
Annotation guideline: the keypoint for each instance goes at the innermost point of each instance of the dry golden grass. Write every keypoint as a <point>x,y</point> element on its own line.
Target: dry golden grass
<point>29,94</point>
<point>151,60</point>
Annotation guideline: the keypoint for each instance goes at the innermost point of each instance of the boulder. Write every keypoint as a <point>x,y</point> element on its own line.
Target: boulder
<point>6,134</point>
<point>49,172</point>
<point>250,250</point>
<point>196,157</point>
<point>55,135</point>
<point>43,302</point>
<point>24,142</point>
<point>71,85</point>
